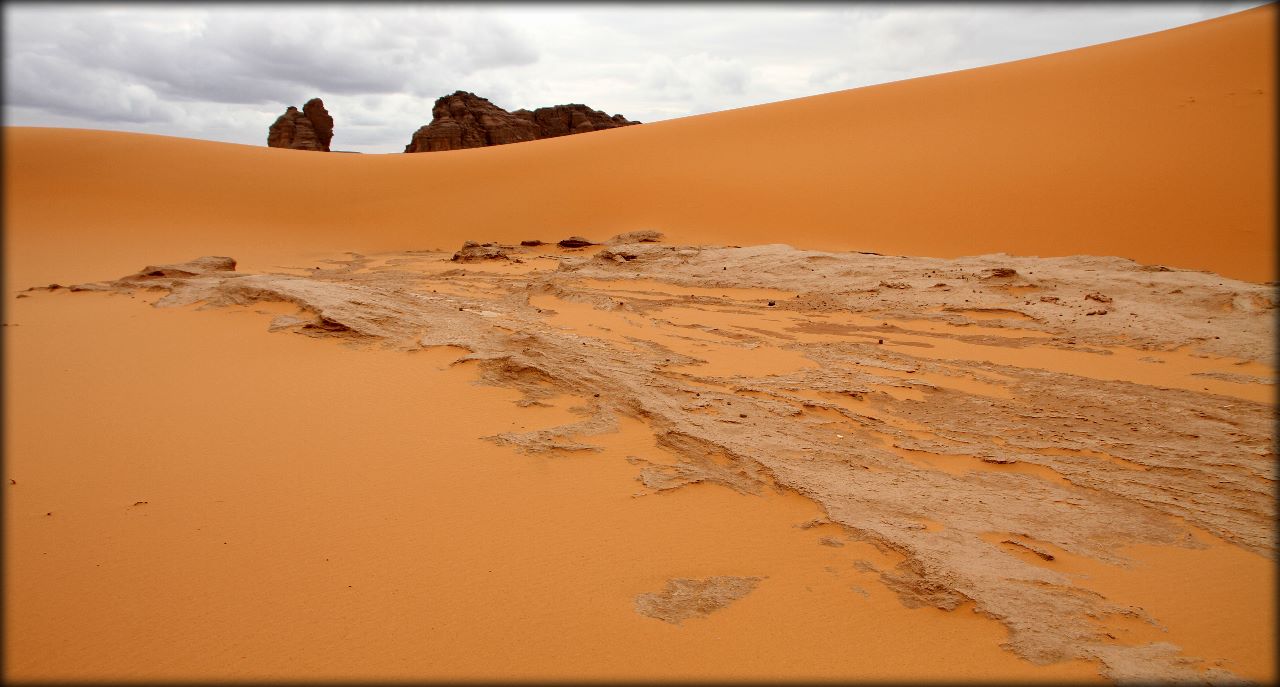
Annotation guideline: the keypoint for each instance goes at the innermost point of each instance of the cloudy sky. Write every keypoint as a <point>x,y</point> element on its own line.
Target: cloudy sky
<point>225,72</point>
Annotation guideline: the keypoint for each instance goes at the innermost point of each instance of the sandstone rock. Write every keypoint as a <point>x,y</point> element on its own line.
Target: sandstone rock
<point>642,236</point>
<point>320,120</point>
<point>562,120</point>
<point>1000,273</point>
<point>465,120</point>
<point>574,242</point>
<point>479,252</point>
<point>683,598</point>
<point>616,255</point>
<point>310,129</point>
<point>204,265</point>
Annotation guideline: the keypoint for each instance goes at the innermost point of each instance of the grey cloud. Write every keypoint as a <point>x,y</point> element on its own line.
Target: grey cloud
<point>259,55</point>
<point>226,71</point>
<point>90,93</point>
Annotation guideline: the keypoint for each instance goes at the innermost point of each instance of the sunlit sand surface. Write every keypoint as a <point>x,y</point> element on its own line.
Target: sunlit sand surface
<point>895,398</point>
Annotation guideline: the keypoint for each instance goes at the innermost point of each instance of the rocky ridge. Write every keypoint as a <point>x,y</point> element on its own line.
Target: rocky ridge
<point>466,120</point>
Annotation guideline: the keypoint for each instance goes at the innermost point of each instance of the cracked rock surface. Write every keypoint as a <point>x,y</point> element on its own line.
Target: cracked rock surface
<point>1082,403</point>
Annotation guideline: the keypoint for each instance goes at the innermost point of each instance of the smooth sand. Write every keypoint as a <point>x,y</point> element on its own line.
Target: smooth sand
<point>199,498</point>
<point>319,512</point>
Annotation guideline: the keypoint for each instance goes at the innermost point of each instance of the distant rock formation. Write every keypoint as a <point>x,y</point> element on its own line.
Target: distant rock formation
<point>465,120</point>
<point>310,129</point>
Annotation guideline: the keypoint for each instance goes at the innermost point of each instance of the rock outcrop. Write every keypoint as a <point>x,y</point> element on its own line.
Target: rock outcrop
<point>574,242</point>
<point>310,129</point>
<point>472,251</point>
<point>465,120</point>
<point>1012,461</point>
<point>562,120</point>
<point>641,236</point>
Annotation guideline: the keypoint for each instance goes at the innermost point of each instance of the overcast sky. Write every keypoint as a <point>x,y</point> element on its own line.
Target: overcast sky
<point>225,72</point>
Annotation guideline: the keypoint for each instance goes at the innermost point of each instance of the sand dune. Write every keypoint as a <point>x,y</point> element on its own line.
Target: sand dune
<point>343,455</point>
<point>1158,148</point>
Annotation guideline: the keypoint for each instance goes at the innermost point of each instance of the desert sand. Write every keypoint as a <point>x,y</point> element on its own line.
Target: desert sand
<point>965,377</point>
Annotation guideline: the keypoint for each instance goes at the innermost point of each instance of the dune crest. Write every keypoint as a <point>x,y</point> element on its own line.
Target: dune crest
<point>1157,148</point>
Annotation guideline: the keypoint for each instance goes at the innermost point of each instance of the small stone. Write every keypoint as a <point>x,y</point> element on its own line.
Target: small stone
<point>1000,273</point>
<point>574,242</point>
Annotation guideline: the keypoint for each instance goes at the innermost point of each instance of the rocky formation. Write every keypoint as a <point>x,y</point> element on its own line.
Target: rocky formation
<point>975,423</point>
<point>641,236</point>
<point>465,120</point>
<point>310,129</point>
<point>472,251</point>
<point>562,120</point>
<point>574,242</point>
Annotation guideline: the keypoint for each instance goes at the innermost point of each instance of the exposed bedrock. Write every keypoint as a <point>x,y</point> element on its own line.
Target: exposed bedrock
<point>1110,463</point>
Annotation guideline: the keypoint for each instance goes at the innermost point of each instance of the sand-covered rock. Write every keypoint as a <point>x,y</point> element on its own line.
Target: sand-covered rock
<point>682,598</point>
<point>1065,449</point>
<point>472,251</point>
<point>575,242</point>
<point>641,236</point>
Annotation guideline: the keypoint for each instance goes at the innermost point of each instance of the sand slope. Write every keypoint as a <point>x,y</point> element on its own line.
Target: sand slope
<point>1157,148</point>
<point>1070,454</point>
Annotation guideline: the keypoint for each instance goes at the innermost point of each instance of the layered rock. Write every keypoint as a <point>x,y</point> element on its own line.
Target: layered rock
<point>972,470</point>
<point>465,120</point>
<point>562,120</point>
<point>310,129</point>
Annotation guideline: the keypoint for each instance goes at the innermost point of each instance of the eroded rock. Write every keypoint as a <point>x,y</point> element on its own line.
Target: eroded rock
<point>642,236</point>
<point>310,129</point>
<point>481,252</point>
<point>1174,456</point>
<point>466,120</point>
<point>682,599</point>
<point>574,242</point>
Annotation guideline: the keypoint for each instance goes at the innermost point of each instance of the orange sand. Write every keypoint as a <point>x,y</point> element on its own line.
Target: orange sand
<point>316,511</point>
<point>287,507</point>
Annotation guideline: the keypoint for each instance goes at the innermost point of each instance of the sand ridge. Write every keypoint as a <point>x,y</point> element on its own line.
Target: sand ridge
<point>1156,148</point>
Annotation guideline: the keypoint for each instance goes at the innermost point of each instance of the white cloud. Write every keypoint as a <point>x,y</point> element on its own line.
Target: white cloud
<point>225,72</point>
